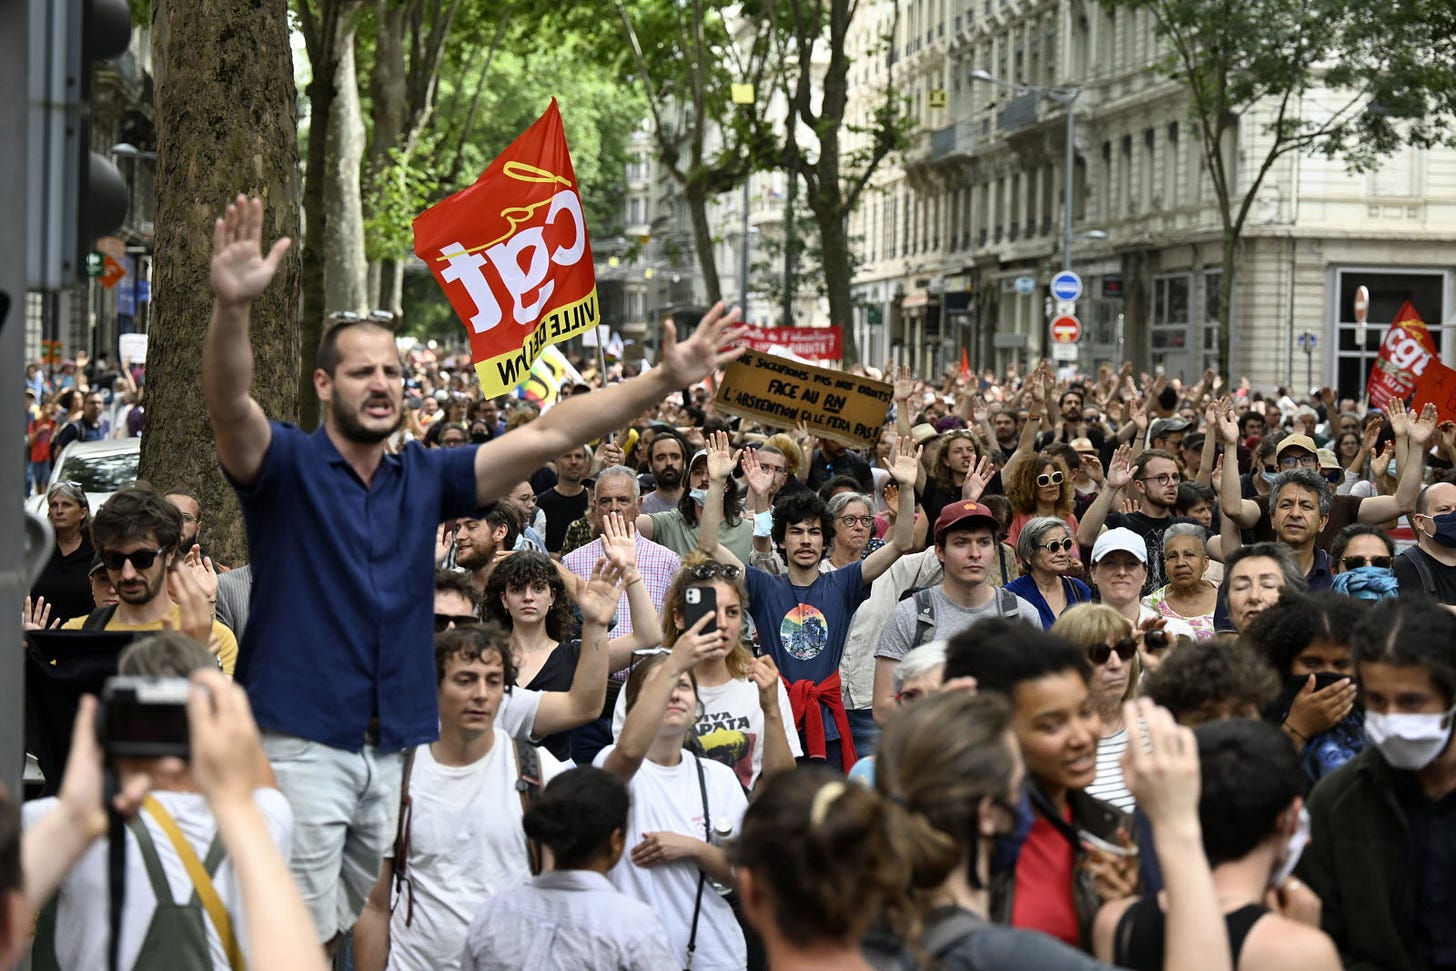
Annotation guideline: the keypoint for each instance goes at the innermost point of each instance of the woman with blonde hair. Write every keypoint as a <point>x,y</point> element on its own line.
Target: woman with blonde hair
<point>1111,647</point>
<point>746,721</point>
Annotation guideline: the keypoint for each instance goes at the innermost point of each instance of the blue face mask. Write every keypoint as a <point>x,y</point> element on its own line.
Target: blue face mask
<point>1366,583</point>
<point>1269,477</point>
<point>700,496</point>
<point>1006,849</point>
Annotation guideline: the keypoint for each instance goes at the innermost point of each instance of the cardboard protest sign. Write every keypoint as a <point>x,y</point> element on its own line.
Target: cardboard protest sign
<point>822,343</point>
<point>511,252</point>
<point>1405,353</point>
<point>843,407</point>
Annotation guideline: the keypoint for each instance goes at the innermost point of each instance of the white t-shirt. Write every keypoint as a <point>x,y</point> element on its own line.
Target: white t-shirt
<point>516,715</point>
<point>667,798</point>
<point>731,726</point>
<point>466,843</point>
<point>82,924</point>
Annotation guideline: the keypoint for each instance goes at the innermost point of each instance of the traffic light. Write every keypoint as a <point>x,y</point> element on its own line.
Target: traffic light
<point>75,194</point>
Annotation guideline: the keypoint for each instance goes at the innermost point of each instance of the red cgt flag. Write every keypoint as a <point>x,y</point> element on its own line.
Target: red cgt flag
<point>512,255</point>
<point>1405,354</point>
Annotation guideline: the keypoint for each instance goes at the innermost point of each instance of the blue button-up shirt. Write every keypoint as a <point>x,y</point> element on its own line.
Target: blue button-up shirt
<point>341,620</point>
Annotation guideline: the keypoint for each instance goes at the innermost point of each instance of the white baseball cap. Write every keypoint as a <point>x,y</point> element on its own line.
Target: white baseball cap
<point>1123,539</point>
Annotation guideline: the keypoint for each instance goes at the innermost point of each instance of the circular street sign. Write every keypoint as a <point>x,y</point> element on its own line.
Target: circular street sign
<point>1026,285</point>
<point>1066,285</point>
<point>1066,329</point>
<point>1362,304</point>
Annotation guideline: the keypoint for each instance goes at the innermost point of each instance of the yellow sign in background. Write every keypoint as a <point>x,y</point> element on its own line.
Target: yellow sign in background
<point>843,407</point>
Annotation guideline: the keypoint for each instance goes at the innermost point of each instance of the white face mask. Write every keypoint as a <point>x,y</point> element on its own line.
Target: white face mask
<point>1293,849</point>
<point>1410,742</point>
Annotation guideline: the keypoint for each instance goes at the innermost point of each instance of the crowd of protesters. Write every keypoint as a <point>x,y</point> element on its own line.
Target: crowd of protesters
<point>1065,671</point>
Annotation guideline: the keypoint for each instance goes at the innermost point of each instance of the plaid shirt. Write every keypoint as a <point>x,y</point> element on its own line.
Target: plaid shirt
<point>657,564</point>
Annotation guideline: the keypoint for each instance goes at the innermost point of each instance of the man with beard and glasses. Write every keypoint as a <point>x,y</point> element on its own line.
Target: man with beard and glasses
<point>137,536</point>
<point>336,656</point>
<point>1154,479</point>
<point>666,460</point>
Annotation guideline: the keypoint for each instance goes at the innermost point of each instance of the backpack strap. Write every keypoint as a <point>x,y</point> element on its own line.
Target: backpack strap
<point>528,784</point>
<point>924,616</point>
<point>1008,603</point>
<point>201,882</point>
<point>99,618</point>
<point>401,841</point>
<point>702,875</point>
<point>151,860</point>
<point>1417,558</point>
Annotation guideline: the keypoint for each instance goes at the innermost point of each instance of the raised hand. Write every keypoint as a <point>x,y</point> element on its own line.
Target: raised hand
<point>194,605</point>
<point>1119,472</point>
<point>1399,418</point>
<point>977,478</point>
<point>759,479</point>
<point>202,568</point>
<point>37,615</point>
<point>1160,765</point>
<point>1228,428</point>
<point>619,540</point>
<point>721,456</point>
<point>444,539</point>
<point>764,674</point>
<point>1421,430</point>
<point>610,453</point>
<point>240,271</point>
<point>904,383</point>
<point>1371,434</point>
<point>907,461</point>
<point>599,598</point>
<point>1092,466</point>
<point>1130,505</point>
<point>710,346</point>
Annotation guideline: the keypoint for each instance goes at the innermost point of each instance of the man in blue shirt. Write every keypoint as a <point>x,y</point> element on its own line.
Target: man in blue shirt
<point>803,616</point>
<point>337,655</point>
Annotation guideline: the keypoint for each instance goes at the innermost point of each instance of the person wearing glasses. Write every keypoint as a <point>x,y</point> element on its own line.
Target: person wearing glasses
<point>137,536</point>
<point>1412,437</point>
<point>1152,479</point>
<point>854,527</point>
<point>1430,565</point>
<point>1045,549</point>
<point>1041,487</point>
<point>1363,561</point>
<point>1111,644</point>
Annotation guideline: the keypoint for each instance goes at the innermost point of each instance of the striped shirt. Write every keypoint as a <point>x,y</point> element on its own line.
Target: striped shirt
<point>1109,785</point>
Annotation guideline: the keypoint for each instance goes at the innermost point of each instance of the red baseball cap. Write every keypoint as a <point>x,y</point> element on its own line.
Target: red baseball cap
<point>958,513</point>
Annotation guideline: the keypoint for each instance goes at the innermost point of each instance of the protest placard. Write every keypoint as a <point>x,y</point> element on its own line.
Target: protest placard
<point>843,407</point>
<point>1405,353</point>
<point>512,255</point>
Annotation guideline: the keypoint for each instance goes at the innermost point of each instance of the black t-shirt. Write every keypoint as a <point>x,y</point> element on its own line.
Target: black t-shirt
<point>556,675</point>
<point>1151,530</point>
<point>1409,576</point>
<point>561,511</point>
<point>66,583</point>
<point>822,469</point>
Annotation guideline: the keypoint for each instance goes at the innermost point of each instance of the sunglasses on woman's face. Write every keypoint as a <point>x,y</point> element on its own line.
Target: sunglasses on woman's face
<point>1355,562</point>
<point>1099,653</point>
<point>1056,546</point>
<point>1049,478</point>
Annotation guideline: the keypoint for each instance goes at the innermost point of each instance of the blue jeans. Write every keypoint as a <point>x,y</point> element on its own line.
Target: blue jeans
<point>37,477</point>
<point>864,731</point>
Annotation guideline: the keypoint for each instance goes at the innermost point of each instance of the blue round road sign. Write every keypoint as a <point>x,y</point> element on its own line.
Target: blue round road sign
<point>1066,286</point>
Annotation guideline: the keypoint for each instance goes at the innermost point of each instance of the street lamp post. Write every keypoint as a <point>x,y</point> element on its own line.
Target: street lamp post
<point>1067,98</point>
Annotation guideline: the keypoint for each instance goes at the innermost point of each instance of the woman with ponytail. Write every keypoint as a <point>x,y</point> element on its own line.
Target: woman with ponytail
<point>571,918</point>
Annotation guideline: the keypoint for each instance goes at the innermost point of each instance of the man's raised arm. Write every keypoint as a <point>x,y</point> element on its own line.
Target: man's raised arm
<point>504,461</point>
<point>240,273</point>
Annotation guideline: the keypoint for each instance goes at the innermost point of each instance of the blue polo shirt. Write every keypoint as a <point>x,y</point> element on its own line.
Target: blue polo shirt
<point>341,619</point>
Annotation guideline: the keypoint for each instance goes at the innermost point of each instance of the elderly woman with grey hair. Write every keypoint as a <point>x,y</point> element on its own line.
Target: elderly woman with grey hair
<point>854,529</point>
<point>1189,595</point>
<point>1044,550</point>
<point>918,675</point>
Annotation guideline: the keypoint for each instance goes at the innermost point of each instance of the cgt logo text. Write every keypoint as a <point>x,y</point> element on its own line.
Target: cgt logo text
<point>519,267</point>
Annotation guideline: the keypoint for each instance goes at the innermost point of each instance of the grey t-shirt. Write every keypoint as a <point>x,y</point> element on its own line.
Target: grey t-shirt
<point>950,619</point>
<point>653,502</point>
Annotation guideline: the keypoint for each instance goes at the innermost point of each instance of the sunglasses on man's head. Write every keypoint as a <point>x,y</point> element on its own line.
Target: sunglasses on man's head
<point>1099,653</point>
<point>1049,478</point>
<point>715,571</point>
<point>141,559</point>
<point>443,621</point>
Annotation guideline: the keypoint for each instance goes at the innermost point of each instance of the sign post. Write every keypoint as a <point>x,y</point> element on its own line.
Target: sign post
<point>1066,286</point>
<point>1362,314</point>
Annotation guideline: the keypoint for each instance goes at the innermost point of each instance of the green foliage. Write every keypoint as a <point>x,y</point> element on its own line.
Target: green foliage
<point>408,186</point>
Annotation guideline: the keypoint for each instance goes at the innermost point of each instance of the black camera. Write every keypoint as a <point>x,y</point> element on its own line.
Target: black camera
<point>145,718</point>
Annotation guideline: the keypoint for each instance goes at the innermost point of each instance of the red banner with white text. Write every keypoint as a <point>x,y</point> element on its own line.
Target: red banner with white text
<point>818,343</point>
<point>1405,354</point>
<point>512,255</point>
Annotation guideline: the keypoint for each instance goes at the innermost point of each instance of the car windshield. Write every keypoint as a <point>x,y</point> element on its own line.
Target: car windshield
<point>102,473</point>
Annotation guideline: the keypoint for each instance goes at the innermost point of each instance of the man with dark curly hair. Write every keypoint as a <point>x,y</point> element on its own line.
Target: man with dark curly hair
<point>1205,680</point>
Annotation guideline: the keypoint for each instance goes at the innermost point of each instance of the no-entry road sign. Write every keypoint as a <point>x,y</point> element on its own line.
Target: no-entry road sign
<point>1066,329</point>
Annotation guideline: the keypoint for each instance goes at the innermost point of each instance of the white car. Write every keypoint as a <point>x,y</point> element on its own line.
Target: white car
<point>101,468</point>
